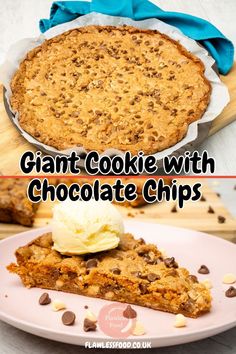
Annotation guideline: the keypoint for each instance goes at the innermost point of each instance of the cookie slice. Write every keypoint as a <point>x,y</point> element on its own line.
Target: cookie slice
<point>135,273</point>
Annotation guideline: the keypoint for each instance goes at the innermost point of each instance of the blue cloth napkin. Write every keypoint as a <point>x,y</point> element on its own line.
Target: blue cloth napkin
<point>221,49</point>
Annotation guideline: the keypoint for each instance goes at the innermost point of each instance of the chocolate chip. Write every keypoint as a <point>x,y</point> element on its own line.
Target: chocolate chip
<point>141,241</point>
<point>190,112</point>
<point>98,113</point>
<point>143,288</point>
<point>170,262</point>
<point>116,271</point>
<point>218,195</point>
<point>221,219</point>
<point>231,292</point>
<point>203,199</point>
<point>174,112</point>
<point>82,155</point>
<point>129,312</point>
<point>193,278</point>
<point>68,318</point>
<point>150,260</point>
<point>172,273</point>
<point>55,273</point>
<point>187,306</point>
<point>210,210</point>
<point>92,263</point>
<point>152,277</point>
<point>174,209</point>
<point>142,252</point>
<point>72,275</point>
<point>44,299</point>
<point>86,307</point>
<point>89,325</point>
<point>203,270</point>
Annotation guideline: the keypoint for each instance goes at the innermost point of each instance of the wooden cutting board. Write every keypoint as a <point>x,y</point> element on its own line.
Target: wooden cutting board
<point>13,145</point>
<point>193,216</point>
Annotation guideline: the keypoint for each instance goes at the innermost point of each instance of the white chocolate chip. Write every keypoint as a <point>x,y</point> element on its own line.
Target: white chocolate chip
<point>207,283</point>
<point>90,316</point>
<point>229,278</point>
<point>109,295</point>
<point>59,283</point>
<point>58,305</point>
<point>193,294</point>
<point>93,290</point>
<point>138,329</point>
<point>180,321</point>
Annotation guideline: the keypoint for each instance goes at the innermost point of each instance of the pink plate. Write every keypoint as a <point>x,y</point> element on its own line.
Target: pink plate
<point>19,306</point>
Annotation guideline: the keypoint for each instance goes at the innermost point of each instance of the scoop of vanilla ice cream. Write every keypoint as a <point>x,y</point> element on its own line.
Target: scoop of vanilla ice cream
<point>86,227</point>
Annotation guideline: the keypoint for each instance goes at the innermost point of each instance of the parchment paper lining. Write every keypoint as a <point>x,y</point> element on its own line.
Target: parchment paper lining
<point>219,97</point>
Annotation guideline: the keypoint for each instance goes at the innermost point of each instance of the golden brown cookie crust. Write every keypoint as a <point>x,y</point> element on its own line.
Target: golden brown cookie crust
<point>104,87</point>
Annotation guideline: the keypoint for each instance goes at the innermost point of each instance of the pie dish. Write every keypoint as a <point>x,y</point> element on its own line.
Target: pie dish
<point>102,87</point>
<point>134,272</point>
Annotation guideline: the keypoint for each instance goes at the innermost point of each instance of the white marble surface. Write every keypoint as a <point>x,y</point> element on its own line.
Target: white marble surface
<point>19,19</point>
